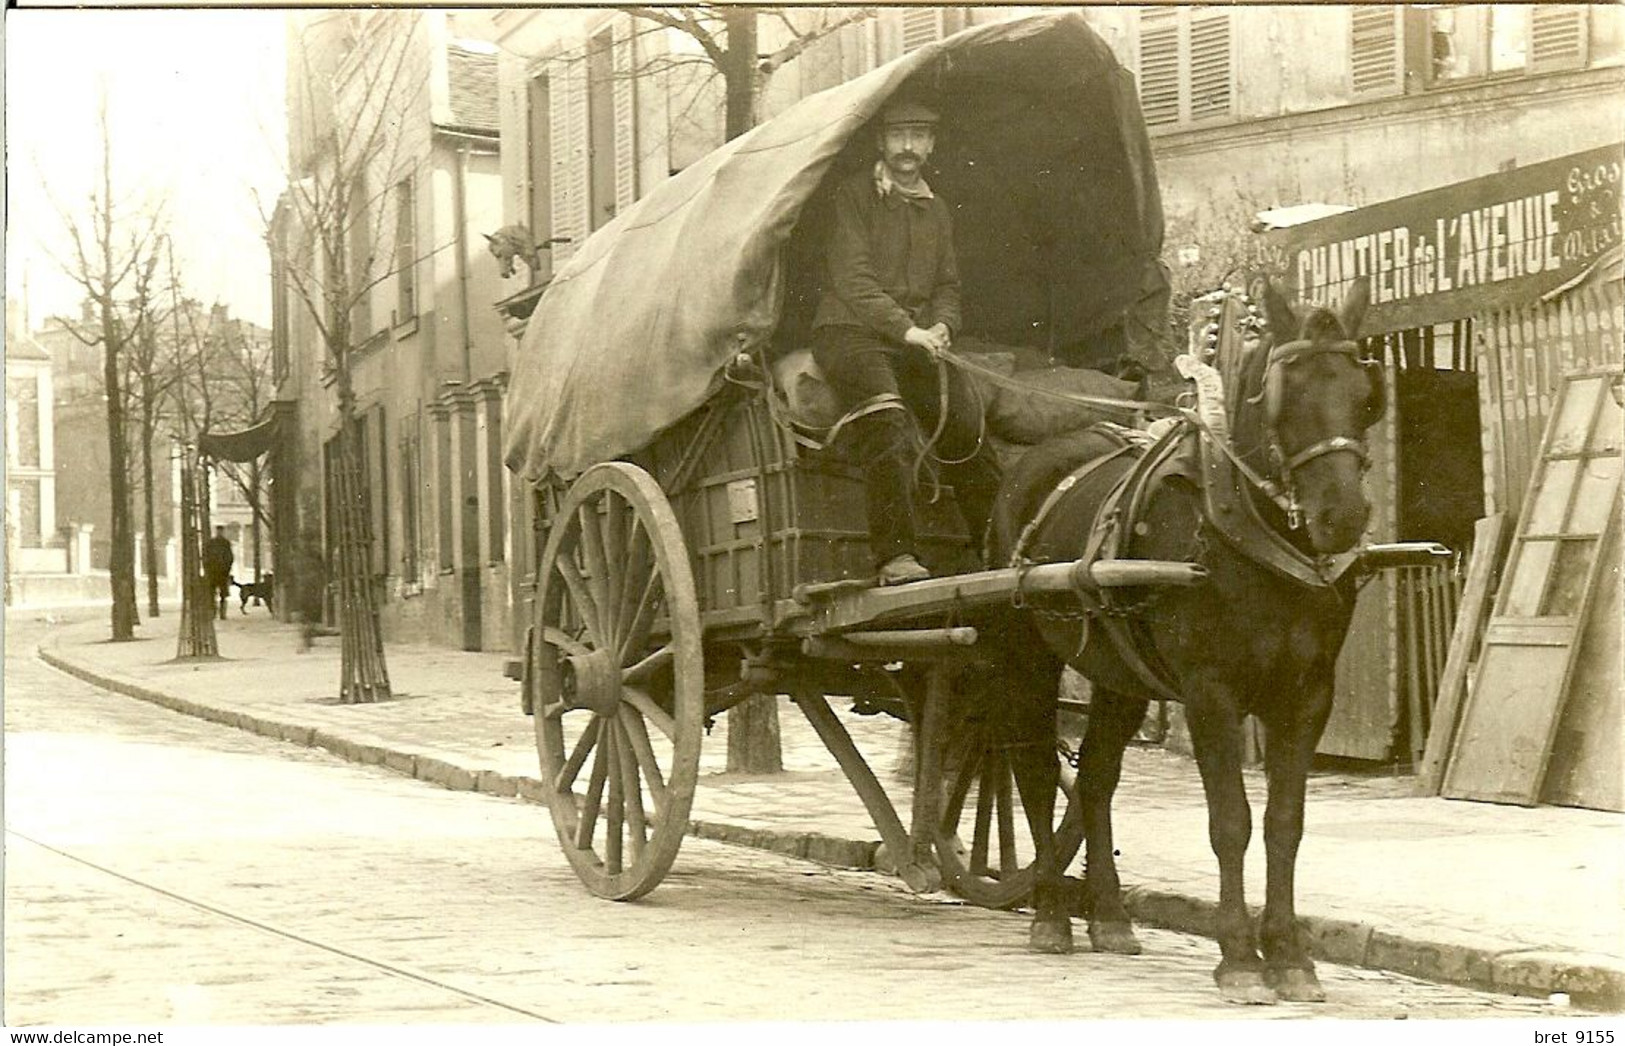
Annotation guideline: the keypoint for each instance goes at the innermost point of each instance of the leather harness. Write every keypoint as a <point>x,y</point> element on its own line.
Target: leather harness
<point>1192,451</point>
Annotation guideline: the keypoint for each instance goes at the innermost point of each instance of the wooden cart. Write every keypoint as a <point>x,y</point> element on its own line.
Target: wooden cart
<point>698,555</point>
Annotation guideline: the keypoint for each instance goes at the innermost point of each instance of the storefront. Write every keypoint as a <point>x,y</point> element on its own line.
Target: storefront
<point>1484,294</point>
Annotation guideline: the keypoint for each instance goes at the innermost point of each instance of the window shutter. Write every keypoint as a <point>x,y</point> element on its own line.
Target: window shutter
<point>1159,67</point>
<point>920,26</point>
<point>1374,48</point>
<point>1210,65</point>
<point>569,103</point>
<point>1557,37</point>
<point>626,137</point>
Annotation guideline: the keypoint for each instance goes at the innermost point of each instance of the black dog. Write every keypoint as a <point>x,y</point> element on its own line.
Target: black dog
<point>259,591</point>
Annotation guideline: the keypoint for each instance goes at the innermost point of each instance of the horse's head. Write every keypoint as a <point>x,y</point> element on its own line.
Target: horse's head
<point>1318,397</point>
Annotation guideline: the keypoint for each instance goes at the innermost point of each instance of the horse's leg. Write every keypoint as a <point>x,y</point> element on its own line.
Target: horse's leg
<point>1291,735</point>
<point>1215,725</point>
<point>1029,709</point>
<point>1113,719</point>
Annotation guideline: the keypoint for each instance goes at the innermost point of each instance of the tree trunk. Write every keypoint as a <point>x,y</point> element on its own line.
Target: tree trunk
<point>753,727</point>
<point>740,72</point>
<point>364,675</point>
<point>148,423</point>
<point>196,638</point>
<point>121,565</point>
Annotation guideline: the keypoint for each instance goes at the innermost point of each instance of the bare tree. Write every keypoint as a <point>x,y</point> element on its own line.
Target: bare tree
<point>150,376</point>
<point>354,106</point>
<point>728,37</point>
<point>109,246</point>
<point>194,408</point>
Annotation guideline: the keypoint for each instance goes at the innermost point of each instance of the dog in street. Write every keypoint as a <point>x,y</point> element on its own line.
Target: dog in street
<point>258,591</point>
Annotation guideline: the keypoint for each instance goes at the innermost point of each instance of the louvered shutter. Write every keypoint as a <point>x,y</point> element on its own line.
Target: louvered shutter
<point>626,135</point>
<point>569,104</point>
<point>919,26</point>
<point>1159,67</point>
<point>1557,37</point>
<point>1376,59</point>
<point>1209,76</point>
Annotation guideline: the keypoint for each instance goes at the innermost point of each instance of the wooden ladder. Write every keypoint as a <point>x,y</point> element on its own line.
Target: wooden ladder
<point>1504,743</point>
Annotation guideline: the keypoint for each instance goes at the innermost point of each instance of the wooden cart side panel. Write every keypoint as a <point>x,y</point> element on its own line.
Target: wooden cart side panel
<point>762,516</point>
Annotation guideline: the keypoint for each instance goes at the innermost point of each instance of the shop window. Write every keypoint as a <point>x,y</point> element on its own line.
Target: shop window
<point>1185,65</point>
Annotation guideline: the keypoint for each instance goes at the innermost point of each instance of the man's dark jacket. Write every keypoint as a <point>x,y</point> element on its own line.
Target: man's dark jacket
<point>891,262</point>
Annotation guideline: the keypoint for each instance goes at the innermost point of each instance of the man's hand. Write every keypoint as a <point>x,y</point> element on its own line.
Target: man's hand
<point>933,339</point>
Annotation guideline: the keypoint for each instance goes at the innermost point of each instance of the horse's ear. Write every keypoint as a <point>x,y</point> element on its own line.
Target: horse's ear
<point>1354,304</point>
<point>1284,323</point>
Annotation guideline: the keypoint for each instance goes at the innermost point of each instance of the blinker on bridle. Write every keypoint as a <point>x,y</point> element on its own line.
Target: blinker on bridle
<point>1285,492</point>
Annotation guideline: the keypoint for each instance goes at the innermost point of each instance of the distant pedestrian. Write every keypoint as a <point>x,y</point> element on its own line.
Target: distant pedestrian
<point>217,560</point>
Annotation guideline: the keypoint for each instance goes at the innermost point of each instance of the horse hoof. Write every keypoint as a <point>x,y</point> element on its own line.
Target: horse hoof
<point>1295,984</point>
<point>1115,938</point>
<point>1050,937</point>
<point>1245,987</point>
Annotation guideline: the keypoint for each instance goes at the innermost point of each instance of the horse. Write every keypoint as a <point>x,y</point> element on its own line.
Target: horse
<point>1273,515</point>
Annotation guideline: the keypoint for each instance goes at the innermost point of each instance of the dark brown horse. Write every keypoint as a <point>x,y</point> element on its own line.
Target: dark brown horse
<point>1260,635</point>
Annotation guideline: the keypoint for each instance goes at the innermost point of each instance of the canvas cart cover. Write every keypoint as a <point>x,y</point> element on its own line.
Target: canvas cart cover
<point>1042,154</point>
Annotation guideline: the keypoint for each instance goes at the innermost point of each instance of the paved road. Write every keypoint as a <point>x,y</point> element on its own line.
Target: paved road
<point>163,870</point>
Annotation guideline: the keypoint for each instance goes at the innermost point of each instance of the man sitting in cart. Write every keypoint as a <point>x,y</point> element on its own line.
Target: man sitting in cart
<point>889,310</point>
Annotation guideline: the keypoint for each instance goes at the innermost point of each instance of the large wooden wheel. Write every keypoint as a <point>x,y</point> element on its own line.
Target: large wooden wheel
<point>984,841</point>
<point>618,680</point>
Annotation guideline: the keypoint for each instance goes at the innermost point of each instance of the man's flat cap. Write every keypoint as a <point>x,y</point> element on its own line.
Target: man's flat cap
<point>907,112</point>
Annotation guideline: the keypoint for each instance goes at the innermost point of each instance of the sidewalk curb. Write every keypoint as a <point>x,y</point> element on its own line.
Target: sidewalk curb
<point>1596,982</point>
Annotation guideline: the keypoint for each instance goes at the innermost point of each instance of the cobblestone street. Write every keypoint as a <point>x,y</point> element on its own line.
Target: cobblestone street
<point>161,869</point>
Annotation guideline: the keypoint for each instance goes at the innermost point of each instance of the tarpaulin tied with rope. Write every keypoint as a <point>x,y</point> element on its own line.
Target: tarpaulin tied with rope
<point>1042,155</point>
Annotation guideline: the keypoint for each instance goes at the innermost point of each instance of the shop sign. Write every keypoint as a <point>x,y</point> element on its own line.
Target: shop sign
<point>1462,249</point>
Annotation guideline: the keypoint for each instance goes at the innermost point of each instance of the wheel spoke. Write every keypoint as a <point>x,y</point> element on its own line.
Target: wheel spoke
<point>592,551</point>
<point>617,804</point>
<point>1007,820</point>
<point>639,571</point>
<point>616,511</point>
<point>955,804</point>
<point>595,796</point>
<point>633,723</point>
<point>984,821</point>
<point>566,779</point>
<point>637,633</point>
<point>648,666</point>
<point>646,706</point>
<point>585,606</point>
<point>626,758</point>
<point>564,641</point>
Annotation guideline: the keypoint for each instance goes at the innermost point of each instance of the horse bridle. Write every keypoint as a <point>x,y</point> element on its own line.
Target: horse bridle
<point>1281,356</point>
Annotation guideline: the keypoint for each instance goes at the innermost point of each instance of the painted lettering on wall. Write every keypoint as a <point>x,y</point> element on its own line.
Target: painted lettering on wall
<point>1521,233</point>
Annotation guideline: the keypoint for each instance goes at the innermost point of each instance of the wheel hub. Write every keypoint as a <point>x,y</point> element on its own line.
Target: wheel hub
<point>591,681</point>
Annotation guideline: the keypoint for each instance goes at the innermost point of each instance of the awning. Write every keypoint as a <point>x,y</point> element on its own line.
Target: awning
<point>243,444</point>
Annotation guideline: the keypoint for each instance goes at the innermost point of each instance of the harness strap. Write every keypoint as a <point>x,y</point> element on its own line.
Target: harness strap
<point>1018,555</point>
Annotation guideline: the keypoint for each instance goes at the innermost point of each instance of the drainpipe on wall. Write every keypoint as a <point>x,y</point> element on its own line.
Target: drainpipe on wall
<point>460,205</point>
